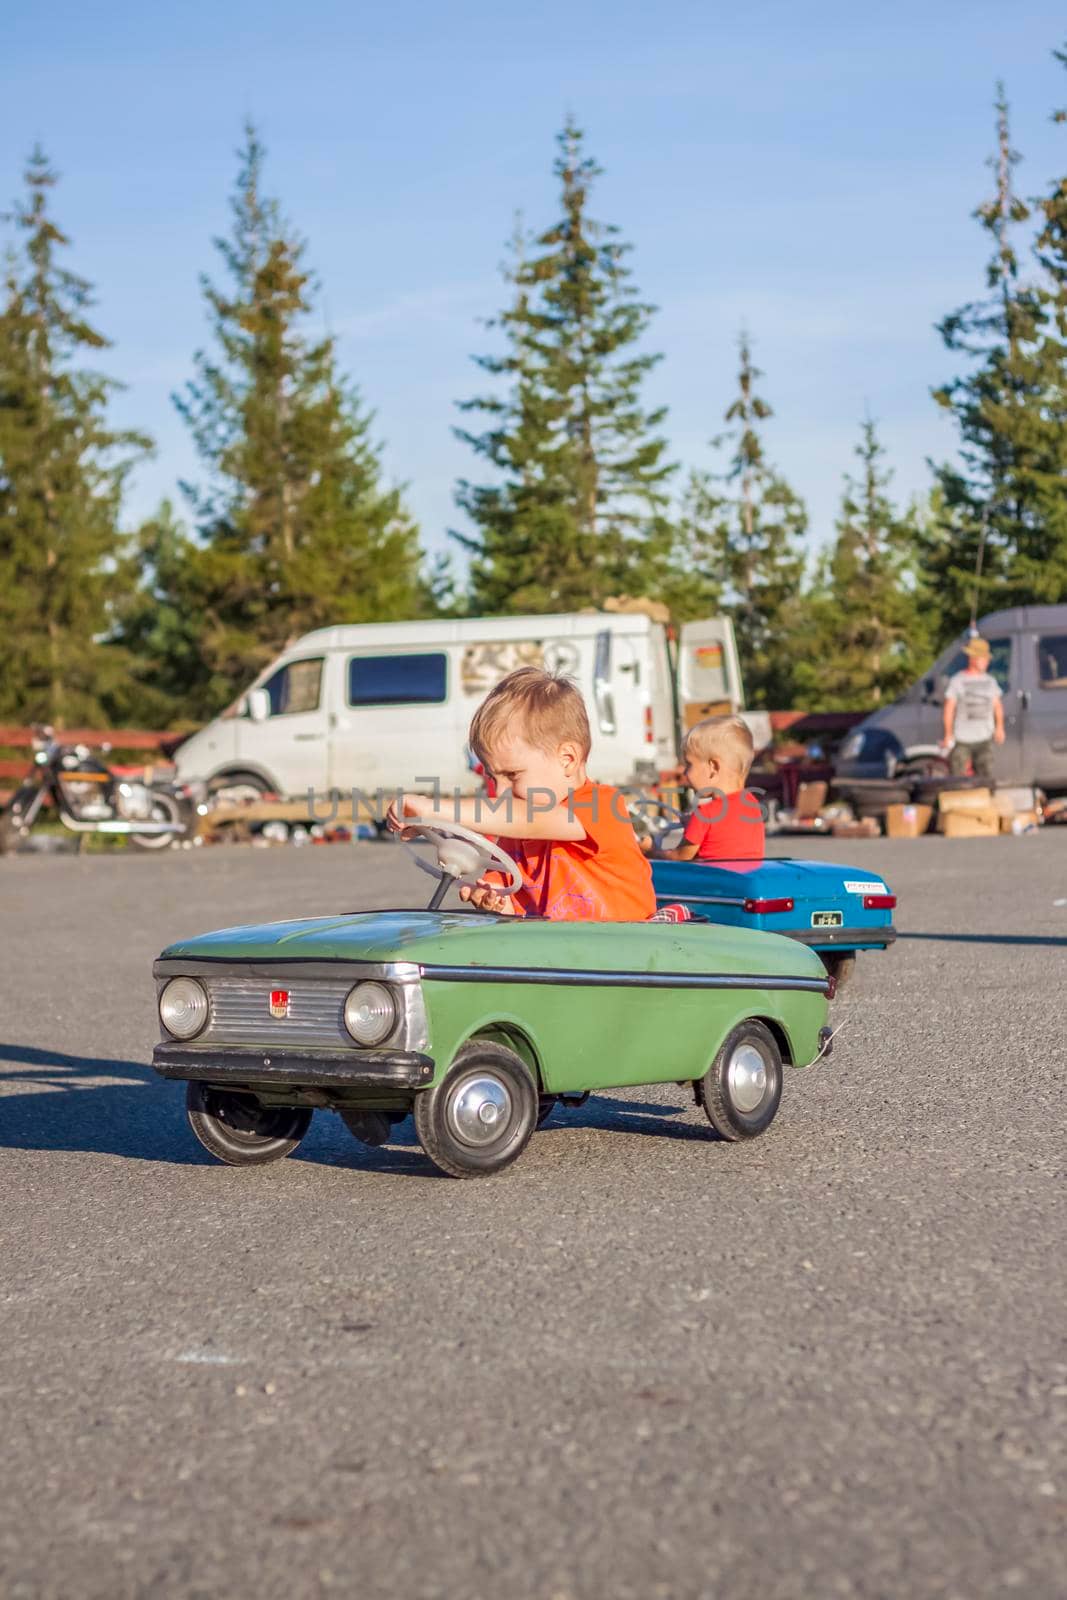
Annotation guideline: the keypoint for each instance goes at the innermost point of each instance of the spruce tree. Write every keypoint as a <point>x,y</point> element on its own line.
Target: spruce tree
<point>865,634</point>
<point>1037,568</point>
<point>577,509</point>
<point>994,503</point>
<point>62,471</point>
<point>762,529</point>
<point>295,527</point>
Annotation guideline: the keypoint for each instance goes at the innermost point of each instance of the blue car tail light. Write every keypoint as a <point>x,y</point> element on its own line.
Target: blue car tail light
<point>879,902</point>
<point>760,907</point>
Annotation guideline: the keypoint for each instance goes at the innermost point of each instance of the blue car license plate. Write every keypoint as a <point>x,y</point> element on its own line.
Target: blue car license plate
<point>827,919</point>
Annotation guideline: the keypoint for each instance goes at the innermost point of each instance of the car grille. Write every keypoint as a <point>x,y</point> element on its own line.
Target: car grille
<point>240,1011</point>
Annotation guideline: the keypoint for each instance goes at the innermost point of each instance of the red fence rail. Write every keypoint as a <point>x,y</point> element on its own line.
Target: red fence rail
<point>151,742</point>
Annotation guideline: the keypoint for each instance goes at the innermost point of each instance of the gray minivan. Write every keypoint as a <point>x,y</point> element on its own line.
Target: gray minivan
<point>1029,661</point>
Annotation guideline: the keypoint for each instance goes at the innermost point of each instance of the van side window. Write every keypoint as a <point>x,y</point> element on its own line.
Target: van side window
<point>295,687</point>
<point>1052,661</point>
<point>420,680</point>
<point>999,666</point>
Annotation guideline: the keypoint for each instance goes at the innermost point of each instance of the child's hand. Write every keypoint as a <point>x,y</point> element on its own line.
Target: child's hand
<point>485,898</point>
<point>405,806</point>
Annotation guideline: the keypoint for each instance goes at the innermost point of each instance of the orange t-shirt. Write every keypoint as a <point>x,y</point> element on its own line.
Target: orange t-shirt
<point>601,878</point>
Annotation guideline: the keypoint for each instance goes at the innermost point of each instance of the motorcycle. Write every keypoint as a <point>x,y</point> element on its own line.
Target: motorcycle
<point>89,798</point>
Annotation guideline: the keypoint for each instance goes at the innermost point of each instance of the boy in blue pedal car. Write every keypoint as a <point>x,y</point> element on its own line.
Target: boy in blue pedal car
<point>727,824</point>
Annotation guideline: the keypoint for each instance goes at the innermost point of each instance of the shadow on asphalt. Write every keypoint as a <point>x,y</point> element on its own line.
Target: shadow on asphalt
<point>63,1108</point>
<point>143,1119</point>
<point>1047,941</point>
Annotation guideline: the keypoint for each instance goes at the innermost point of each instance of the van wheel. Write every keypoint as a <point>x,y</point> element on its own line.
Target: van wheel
<point>742,1089</point>
<point>237,788</point>
<point>479,1118</point>
<point>236,1129</point>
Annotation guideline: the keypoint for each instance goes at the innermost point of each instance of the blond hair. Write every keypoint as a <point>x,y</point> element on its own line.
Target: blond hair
<point>544,709</point>
<point>726,737</point>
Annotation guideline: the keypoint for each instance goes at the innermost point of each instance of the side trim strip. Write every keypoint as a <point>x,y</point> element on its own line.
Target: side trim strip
<point>562,978</point>
<point>699,900</point>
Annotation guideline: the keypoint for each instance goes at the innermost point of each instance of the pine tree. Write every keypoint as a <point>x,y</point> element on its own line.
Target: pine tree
<point>1037,568</point>
<point>295,527</point>
<point>62,471</point>
<point>994,501</point>
<point>864,626</point>
<point>160,618</point>
<point>763,525</point>
<point>691,578</point>
<point>577,511</point>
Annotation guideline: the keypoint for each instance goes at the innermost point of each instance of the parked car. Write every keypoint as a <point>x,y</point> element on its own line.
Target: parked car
<point>388,705</point>
<point>474,1023</point>
<point>834,910</point>
<point>1029,661</point>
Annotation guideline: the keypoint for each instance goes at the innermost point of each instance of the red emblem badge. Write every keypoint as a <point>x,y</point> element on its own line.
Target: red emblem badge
<point>279,1003</point>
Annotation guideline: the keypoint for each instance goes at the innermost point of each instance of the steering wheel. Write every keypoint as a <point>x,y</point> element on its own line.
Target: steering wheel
<point>463,856</point>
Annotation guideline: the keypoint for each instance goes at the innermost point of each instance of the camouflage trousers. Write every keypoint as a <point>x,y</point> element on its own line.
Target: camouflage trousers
<point>980,756</point>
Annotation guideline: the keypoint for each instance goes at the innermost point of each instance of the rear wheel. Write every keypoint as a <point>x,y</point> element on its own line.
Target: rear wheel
<point>236,1129</point>
<point>546,1104</point>
<point>165,808</point>
<point>741,1090</point>
<point>479,1118</point>
<point>840,968</point>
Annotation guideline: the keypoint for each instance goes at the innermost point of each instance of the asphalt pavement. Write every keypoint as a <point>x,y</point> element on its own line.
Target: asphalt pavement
<point>641,1363</point>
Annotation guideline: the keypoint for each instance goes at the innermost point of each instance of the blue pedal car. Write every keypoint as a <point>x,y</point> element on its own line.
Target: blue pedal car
<point>834,910</point>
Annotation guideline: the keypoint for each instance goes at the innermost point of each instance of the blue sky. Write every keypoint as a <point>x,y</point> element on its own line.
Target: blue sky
<point>808,171</point>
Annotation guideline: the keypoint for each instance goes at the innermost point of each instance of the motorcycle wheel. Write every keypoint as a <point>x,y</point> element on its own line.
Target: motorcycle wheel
<point>165,808</point>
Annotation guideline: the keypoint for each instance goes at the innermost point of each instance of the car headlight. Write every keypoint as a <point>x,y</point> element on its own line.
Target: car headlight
<point>370,1013</point>
<point>183,1008</point>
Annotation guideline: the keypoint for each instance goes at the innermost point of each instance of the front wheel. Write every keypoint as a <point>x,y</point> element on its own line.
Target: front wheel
<point>479,1118</point>
<point>742,1088</point>
<point>236,1129</point>
<point>165,808</point>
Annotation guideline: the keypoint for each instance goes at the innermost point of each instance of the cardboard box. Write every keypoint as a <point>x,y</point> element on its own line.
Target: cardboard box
<point>965,800</point>
<point>1010,801</point>
<point>969,824</point>
<point>907,822</point>
<point>1020,822</point>
<point>811,797</point>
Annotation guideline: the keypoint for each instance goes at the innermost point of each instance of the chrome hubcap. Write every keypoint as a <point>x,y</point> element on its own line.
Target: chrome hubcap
<point>747,1077</point>
<point>479,1110</point>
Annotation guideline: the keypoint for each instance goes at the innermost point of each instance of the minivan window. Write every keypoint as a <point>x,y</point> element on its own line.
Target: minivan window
<point>1052,661</point>
<point>398,680</point>
<point>999,665</point>
<point>295,687</point>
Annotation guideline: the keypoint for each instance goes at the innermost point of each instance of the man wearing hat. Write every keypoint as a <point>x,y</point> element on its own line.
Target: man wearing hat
<point>974,714</point>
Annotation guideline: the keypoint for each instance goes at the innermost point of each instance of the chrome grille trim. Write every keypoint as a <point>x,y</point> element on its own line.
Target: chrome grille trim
<point>239,1002</point>
<point>240,1011</point>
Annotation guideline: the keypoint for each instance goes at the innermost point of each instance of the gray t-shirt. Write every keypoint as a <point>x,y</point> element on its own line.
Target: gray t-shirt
<point>975,694</point>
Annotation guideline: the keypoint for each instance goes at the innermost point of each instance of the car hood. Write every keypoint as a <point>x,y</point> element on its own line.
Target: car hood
<point>442,938</point>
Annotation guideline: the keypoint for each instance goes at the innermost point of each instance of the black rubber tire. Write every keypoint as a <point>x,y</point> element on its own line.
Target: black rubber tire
<point>165,808</point>
<point>725,1116</point>
<point>432,1112</point>
<point>840,967</point>
<point>227,781</point>
<point>225,1122</point>
<point>546,1104</point>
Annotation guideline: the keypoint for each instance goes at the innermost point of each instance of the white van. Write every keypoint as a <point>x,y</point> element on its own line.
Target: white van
<point>387,705</point>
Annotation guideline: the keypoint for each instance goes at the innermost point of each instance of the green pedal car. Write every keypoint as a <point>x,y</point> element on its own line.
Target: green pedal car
<point>476,1024</point>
